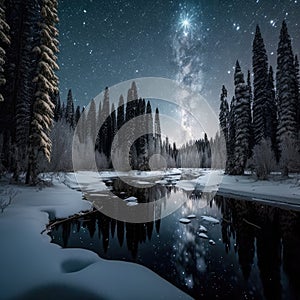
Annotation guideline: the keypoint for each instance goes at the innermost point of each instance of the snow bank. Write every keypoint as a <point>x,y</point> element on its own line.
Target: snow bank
<point>33,268</point>
<point>283,193</point>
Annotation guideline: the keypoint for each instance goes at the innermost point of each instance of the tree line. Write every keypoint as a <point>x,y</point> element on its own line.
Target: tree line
<point>261,124</point>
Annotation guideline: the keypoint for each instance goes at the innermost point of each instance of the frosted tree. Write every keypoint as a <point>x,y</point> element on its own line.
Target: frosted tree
<point>260,72</point>
<point>46,85</point>
<point>224,115</point>
<point>271,113</point>
<point>230,163</point>
<point>4,41</point>
<point>104,132</point>
<point>70,109</point>
<point>297,79</point>
<point>286,90</point>
<point>242,121</point>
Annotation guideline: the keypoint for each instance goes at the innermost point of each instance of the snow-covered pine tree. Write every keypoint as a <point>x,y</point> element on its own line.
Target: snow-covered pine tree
<point>224,115</point>
<point>230,162</point>
<point>286,90</point>
<point>297,78</point>
<point>4,41</point>
<point>252,140</point>
<point>46,85</point>
<point>242,121</point>
<point>104,132</point>
<point>70,109</point>
<point>271,113</point>
<point>260,72</point>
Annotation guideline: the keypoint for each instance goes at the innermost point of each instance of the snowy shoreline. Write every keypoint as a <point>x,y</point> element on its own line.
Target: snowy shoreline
<point>34,268</point>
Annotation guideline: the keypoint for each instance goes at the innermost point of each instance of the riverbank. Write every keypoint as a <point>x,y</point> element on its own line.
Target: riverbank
<point>34,268</point>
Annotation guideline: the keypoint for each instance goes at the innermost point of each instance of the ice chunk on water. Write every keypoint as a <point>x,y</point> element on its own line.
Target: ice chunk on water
<point>210,219</point>
<point>202,229</point>
<point>203,235</point>
<point>191,216</point>
<point>212,242</point>
<point>131,199</point>
<point>185,221</point>
<point>132,203</point>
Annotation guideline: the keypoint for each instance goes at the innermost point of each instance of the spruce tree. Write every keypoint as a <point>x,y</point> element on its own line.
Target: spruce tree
<point>297,79</point>
<point>57,109</point>
<point>242,121</point>
<point>150,136</point>
<point>286,88</point>
<point>77,115</point>
<point>120,116</point>
<point>46,85</point>
<point>70,109</point>
<point>271,113</point>
<point>4,42</point>
<point>260,72</point>
<point>224,115</point>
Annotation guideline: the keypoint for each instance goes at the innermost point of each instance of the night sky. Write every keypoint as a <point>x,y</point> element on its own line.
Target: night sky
<point>106,42</point>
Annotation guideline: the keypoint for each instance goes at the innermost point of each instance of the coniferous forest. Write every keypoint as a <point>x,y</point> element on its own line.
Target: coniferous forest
<point>261,124</point>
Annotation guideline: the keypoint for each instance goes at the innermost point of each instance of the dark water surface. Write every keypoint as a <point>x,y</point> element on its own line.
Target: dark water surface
<point>256,253</point>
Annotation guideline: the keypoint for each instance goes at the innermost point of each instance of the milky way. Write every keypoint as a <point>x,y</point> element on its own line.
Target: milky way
<point>106,42</point>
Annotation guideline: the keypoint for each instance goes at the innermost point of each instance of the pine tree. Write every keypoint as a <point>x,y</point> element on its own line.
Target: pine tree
<point>271,113</point>
<point>57,110</point>
<point>297,78</point>
<point>150,136</point>
<point>4,41</point>
<point>260,72</point>
<point>242,121</point>
<point>157,132</point>
<point>46,85</point>
<point>286,89</point>
<point>77,115</point>
<point>105,138</point>
<point>224,116</point>
<point>120,117</point>
<point>70,109</point>
<point>252,140</point>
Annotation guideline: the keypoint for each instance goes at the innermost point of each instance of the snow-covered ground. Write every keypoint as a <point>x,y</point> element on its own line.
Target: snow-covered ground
<point>33,268</point>
<point>282,192</point>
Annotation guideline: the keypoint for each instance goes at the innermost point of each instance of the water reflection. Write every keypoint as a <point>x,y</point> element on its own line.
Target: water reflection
<point>255,256</point>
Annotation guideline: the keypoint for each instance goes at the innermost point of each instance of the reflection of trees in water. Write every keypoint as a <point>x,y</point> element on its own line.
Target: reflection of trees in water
<point>106,227</point>
<point>277,239</point>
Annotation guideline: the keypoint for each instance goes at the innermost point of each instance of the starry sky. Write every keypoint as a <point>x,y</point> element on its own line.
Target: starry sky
<point>103,43</point>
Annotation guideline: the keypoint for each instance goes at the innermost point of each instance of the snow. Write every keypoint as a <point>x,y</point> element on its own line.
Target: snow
<point>191,216</point>
<point>131,199</point>
<point>132,204</point>
<point>34,268</point>
<point>185,221</point>
<point>203,235</point>
<point>282,192</point>
<point>210,219</point>
<point>202,228</point>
